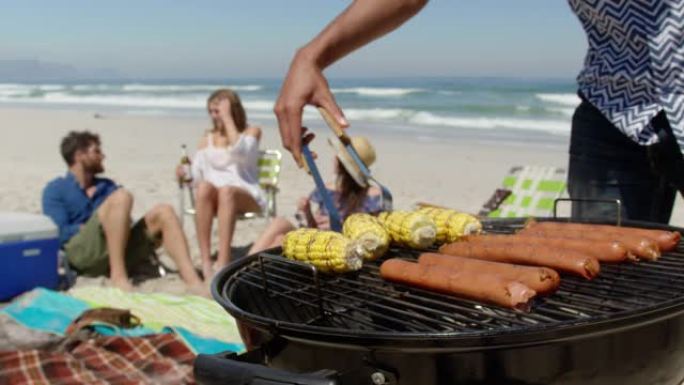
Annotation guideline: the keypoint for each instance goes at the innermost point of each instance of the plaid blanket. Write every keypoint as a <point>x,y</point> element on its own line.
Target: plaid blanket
<point>152,359</point>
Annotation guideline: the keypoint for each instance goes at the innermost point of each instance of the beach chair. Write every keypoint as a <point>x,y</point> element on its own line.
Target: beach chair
<point>269,164</point>
<point>527,191</point>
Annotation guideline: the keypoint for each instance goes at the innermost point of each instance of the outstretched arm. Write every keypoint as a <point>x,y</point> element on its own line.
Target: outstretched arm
<point>359,24</point>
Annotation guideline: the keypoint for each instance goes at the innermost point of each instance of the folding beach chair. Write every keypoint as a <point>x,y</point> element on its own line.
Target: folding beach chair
<point>527,191</point>
<point>269,164</point>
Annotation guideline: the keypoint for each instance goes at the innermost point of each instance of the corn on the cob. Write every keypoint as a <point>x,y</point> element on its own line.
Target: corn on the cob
<point>369,232</point>
<point>328,251</point>
<point>411,229</point>
<point>451,224</point>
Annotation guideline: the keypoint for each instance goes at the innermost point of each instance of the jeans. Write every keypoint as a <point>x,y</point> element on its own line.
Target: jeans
<point>606,164</point>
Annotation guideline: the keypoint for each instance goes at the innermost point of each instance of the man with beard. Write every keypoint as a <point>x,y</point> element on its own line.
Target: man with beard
<point>94,219</point>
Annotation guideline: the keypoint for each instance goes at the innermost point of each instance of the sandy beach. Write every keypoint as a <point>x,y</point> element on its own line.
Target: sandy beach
<point>142,152</point>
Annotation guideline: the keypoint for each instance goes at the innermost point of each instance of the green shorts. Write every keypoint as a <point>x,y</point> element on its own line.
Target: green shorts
<point>87,250</point>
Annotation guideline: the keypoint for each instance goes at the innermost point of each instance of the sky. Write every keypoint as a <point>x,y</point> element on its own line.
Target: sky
<point>257,38</point>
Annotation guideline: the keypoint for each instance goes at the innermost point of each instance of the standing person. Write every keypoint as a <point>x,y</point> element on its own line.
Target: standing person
<point>225,176</point>
<point>628,132</point>
<point>350,193</point>
<point>94,219</point>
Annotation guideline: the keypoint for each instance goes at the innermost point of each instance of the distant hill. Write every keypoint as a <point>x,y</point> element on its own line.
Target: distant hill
<point>30,70</point>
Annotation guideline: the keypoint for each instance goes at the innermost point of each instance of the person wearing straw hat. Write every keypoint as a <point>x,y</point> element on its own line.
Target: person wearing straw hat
<point>351,193</point>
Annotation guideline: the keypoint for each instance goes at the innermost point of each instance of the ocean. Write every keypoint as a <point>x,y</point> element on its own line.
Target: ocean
<point>425,107</point>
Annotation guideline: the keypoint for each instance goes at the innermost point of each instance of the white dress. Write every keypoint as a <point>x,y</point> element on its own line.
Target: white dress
<point>235,165</point>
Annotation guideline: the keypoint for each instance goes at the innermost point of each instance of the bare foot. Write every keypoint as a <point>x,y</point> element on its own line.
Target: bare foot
<point>200,289</point>
<point>122,283</point>
<point>207,271</point>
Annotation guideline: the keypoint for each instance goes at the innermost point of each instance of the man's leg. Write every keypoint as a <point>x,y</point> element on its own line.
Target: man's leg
<point>115,216</point>
<point>163,220</point>
<point>231,202</point>
<point>205,206</point>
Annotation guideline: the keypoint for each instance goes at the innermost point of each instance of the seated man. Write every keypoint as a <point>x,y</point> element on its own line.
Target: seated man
<point>94,219</point>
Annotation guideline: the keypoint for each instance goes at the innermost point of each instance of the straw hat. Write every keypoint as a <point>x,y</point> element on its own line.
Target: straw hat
<point>365,150</point>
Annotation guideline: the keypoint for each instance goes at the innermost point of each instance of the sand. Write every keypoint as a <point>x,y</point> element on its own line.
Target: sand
<point>142,152</point>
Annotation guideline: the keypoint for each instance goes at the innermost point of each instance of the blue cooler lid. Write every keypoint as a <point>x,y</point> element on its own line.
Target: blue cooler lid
<point>16,227</point>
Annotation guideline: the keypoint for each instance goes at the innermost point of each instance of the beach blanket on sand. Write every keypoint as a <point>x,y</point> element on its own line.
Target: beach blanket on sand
<point>153,359</point>
<point>201,316</point>
<point>52,312</point>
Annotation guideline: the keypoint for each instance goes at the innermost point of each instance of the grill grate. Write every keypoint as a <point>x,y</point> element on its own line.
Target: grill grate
<point>282,291</point>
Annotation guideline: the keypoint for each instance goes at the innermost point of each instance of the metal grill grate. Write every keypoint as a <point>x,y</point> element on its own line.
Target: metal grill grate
<point>279,290</point>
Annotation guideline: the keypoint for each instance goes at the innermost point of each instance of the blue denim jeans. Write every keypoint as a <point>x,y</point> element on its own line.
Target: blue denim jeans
<point>606,164</point>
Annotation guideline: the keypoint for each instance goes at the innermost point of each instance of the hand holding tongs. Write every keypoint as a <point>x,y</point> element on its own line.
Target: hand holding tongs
<point>346,141</point>
<point>335,219</point>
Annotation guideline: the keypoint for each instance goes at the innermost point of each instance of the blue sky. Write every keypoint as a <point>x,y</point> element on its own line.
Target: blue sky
<point>256,38</point>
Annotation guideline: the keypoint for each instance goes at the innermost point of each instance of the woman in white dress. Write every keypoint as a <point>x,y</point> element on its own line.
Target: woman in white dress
<point>225,176</point>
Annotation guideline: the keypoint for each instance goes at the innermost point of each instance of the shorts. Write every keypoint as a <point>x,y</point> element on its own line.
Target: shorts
<point>87,250</point>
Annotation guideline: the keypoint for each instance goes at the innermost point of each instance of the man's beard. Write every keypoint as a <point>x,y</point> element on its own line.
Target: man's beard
<point>95,168</point>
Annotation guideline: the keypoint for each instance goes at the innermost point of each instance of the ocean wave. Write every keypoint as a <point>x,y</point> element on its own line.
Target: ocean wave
<point>564,99</point>
<point>377,91</point>
<point>562,111</point>
<point>186,88</point>
<point>121,101</point>
<point>429,119</point>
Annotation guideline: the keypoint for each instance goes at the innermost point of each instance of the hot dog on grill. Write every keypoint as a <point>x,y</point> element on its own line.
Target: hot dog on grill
<point>477,286</point>
<point>666,240</point>
<point>540,279</point>
<point>603,251</point>
<point>641,247</point>
<point>559,259</point>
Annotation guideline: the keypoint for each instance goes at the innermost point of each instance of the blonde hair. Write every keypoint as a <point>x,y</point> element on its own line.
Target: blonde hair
<point>237,112</point>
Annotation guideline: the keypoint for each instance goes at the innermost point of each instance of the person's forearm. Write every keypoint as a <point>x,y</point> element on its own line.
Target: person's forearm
<point>361,23</point>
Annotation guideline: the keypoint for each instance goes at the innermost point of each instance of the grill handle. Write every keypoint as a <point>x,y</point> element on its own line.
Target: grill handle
<point>222,369</point>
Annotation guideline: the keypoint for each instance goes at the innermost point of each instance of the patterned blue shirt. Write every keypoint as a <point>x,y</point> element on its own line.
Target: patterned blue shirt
<point>634,67</point>
<point>65,202</point>
<point>372,204</point>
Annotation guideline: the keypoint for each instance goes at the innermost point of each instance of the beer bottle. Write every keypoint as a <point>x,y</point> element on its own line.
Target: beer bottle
<point>185,166</point>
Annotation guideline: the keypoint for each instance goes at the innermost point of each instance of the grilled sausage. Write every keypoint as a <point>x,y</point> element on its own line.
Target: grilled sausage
<point>641,247</point>
<point>564,260</point>
<point>540,279</point>
<point>480,287</point>
<point>666,240</point>
<point>603,251</point>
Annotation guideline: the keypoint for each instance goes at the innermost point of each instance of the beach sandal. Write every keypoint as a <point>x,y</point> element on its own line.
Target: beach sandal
<point>122,318</point>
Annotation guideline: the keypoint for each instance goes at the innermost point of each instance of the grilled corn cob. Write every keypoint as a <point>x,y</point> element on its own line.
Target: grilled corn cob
<point>328,251</point>
<point>451,224</point>
<point>369,232</point>
<point>411,229</point>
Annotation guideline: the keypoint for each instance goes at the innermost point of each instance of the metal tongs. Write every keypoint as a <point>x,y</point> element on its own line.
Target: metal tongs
<point>341,135</point>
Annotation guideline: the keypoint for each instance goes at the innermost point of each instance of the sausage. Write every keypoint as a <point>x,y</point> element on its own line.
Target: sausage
<point>559,259</point>
<point>666,240</point>
<point>603,251</point>
<point>641,247</point>
<point>480,287</point>
<point>540,279</point>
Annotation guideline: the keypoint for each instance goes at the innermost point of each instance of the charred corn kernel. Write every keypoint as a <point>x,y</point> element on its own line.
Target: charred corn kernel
<point>369,232</point>
<point>328,251</point>
<point>451,224</point>
<point>411,229</point>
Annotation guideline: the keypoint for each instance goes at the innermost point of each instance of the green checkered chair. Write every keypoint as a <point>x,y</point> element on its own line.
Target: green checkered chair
<point>527,191</point>
<point>269,172</point>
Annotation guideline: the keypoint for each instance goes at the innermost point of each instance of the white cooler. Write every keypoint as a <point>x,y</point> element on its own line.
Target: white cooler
<point>29,246</point>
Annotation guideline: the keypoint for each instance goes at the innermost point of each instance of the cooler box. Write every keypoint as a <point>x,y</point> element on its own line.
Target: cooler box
<point>29,246</point>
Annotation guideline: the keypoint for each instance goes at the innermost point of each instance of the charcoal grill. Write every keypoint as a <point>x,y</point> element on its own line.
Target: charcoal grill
<point>624,327</point>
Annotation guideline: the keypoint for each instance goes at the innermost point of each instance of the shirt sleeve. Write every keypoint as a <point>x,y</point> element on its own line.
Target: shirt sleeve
<point>372,204</point>
<point>54,208</point>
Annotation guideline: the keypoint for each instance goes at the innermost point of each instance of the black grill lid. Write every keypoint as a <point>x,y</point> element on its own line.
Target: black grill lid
<point>288,298</point>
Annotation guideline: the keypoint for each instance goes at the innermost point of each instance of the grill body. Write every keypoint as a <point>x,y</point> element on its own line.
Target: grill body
<point>626,327</point>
